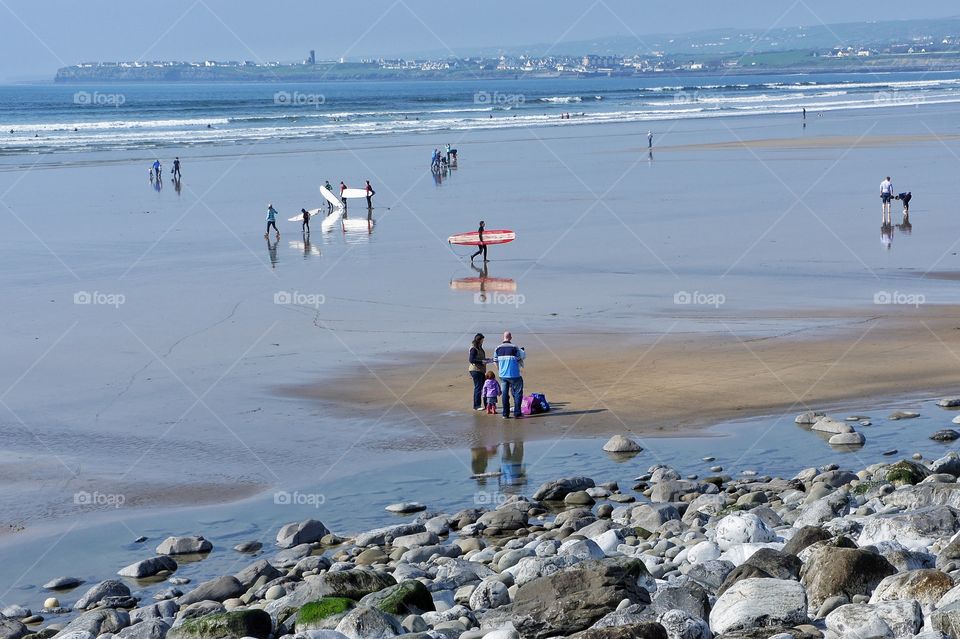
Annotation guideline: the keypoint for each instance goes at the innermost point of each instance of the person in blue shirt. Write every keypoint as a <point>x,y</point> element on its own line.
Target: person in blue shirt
<point>509,359</point>
<point>271,221</point>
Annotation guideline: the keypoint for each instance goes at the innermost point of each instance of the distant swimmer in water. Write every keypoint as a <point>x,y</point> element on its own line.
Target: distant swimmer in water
<point>305,226</point>
<point>271,221</point>
<point>481,248</point>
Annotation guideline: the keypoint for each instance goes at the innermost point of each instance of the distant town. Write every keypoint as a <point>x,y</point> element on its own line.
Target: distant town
<point>736,52</point>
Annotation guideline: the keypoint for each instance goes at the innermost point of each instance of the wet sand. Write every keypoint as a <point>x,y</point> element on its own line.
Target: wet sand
<point>605,383</point>
<point>178,386</point>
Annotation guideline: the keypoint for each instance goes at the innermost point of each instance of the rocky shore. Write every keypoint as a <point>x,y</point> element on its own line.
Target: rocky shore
<point>830,552</point>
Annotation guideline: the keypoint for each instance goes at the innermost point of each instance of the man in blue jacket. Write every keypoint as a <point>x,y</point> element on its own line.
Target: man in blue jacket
<point>509,359</point>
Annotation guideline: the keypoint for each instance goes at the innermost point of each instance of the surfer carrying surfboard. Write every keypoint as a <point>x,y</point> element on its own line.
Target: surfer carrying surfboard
<point>370,194</point>
<point>305,226</point>
<point>481,247</point>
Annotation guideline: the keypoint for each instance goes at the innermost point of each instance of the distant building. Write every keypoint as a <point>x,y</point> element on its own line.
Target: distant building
<point>312,58</point>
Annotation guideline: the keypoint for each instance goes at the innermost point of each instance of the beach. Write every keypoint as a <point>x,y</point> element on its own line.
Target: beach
<point>732,278</point>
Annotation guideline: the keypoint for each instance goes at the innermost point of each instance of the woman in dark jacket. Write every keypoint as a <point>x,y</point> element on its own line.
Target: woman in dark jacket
<point>477,369</point>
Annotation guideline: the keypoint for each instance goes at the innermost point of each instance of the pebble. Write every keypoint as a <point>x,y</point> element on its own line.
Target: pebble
<point>50,603</point>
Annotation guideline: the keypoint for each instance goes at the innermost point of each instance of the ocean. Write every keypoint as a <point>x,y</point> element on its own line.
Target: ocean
<point>52,118</point>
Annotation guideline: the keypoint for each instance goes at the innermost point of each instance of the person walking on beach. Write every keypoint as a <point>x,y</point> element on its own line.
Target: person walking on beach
<point>156,168</point>
<point>509,359</point>
<point>481,247</point>
<point>886,195</point>
<point>305,225</point>
<point>804,113</point>
<point>491,390</point>
<point>328,187</point>
<point>649,139</point>
<point>477,369</point>
<point>176,168</point>
<point>370,194</point>
<point>271,221</point>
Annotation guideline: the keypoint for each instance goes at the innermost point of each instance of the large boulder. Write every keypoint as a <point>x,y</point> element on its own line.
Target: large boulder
<point>369,623</point>
<point>147,629</point>
<point>830,571</point>
<point>742,528</point>
<point>351,584</point>
<point>98,622</point>
<point>323,614</point>
<point>409,597</point>
<point>652,516</point>
<point>219,589</point>
<point>926,587</point>
<point>682,594</point>
<point>642,630</point>
<point>573,599</point>
<point>947,619</point>
<point>184,545</point>
<point>680,625</point>
<point>304,532</point>
<point>226,625</point>
<point>916,529</point>
<point>753,603</point>
<point>621,444</point>
<point>903,618</point>
<point>104,589</point>
<point>12,629</point>
<point>262,568</point>
<point>806,536</point>
<point>148,567</point>
<point>504,518</point>
<point>766,563</point>
<point>557,489</point>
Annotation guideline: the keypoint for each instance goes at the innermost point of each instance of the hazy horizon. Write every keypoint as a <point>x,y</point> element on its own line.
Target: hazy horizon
<point>37,38</point>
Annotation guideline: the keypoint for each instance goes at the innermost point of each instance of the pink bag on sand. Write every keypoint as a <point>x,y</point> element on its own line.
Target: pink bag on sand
<point>529,405</point>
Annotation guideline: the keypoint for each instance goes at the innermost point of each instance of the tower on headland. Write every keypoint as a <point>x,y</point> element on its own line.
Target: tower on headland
<point>312,58</point>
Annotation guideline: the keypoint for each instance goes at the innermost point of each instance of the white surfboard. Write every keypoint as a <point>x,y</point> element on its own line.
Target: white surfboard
<point>330,197</point>
<point>299,217</point>
<point>352,194</point>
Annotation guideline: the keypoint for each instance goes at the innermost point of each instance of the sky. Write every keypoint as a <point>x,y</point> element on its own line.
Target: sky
<point>39,36</point>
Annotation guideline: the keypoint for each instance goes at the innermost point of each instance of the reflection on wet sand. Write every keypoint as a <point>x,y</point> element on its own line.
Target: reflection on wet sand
<point>483,283</point>
<point>511,472</point>
<point>353,229</point>
<point>272,251</point>
<point>887,231</point>
<point>306,246</point>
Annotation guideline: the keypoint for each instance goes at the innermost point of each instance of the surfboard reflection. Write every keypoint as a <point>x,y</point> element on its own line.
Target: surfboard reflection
<point>306,246</point>
<point>353,229</point>
<point>482,283</point>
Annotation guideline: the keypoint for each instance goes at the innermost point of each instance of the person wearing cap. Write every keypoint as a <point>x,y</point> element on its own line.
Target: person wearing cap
<point>477,369</point>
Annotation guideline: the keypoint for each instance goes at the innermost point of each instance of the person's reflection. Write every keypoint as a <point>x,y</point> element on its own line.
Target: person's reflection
<point>272,250</point>
<point>650,156</point>
<point>886,236</point>
<point>307,248</point>
<point>176,186</point>
<point>484,274</point>
<point>512,470</point>
<point>157,185</point>
<point>905,227</point>
<point>437,178</point>
<point>479,460</point>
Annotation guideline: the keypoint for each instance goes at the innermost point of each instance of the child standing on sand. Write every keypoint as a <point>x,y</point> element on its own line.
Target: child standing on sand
<point>491,390</point>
